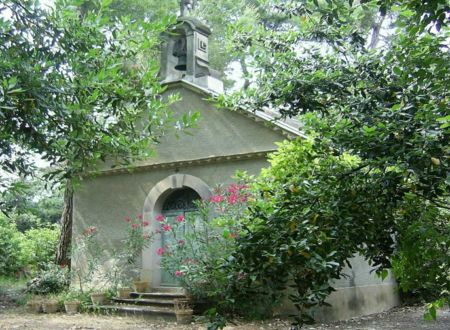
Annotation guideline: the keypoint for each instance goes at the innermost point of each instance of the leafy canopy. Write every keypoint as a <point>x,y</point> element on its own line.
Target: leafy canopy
<point>74,89</point>
<point>378,127</point>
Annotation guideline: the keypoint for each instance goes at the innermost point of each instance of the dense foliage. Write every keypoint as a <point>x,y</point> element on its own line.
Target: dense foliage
<point>421,261</point>
<point>32,204</point>
<point>25,253</point>
<point>10,256</point>
<point>386,110</point>
<point>306,222</point>
<point>38,247</point>
<point>70,90</point>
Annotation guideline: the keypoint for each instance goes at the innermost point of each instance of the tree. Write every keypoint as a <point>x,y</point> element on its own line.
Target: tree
<point>33,205</point>
<point>386,106</point>
<point>74,92</point>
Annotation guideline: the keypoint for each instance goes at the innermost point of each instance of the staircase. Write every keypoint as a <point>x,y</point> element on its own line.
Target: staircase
<point>157,304</point>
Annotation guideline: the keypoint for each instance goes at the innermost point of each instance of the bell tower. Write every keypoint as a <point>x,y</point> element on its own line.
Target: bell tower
<point>185,55</point>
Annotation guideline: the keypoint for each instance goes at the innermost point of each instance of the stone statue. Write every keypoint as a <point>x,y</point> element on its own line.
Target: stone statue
<point>187,6</point>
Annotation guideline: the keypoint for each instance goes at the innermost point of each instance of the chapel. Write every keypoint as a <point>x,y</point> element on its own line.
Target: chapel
<point>188,167</point>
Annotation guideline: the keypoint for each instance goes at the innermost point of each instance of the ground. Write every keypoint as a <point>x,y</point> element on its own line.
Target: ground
<point>14,316</point>
<point>398,318</point>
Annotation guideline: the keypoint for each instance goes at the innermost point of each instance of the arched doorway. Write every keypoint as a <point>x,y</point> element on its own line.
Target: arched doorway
<point>178,202</point>
<point>167,190</point>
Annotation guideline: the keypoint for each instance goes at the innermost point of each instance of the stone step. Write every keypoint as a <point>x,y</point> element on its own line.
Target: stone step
<point>157,295</point>
<point>145,302</point>
<point>150,312</point>
<point>173,289</point>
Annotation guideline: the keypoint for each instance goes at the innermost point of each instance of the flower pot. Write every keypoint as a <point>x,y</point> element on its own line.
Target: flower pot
<point>34,306</point>
<point>181,304</point>
<point>98,298</point>
<point>50,306</point>
<point>140,286</point>
<point>123,293</point>
<point>72,307</point>
<point>184,316</point>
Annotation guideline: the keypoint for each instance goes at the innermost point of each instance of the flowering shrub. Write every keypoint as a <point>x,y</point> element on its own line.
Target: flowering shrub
<point>200,243</point>
<point>137,237</point>
<point>88,254</point>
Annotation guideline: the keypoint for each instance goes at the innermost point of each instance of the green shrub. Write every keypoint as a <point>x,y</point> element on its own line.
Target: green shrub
<point>51,279</point>
<point>10,248</point>
<point>29,250</point>
<point>25,221</point>
<point>421,263</point>
<point>39,246</point>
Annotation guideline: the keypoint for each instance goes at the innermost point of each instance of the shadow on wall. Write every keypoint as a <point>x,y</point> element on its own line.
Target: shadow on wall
<point>352,300</point>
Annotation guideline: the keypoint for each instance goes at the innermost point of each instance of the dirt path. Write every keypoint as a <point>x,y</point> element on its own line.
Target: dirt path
<point>398,319</point>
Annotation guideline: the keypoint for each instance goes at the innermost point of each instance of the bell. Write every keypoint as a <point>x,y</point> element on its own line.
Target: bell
<point>181,65</point>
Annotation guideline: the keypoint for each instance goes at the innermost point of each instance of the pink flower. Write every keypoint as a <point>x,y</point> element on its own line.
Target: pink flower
<point>145,223</point>
<point>134,226</point>
<point>167,227</point>
<point>139,216</point>
<point>160,251</point>
<point>216,198</point>
<point>157,231</point>
<point>159,218</point>
<point>232,235</point>
<point>179,273</point>
<point>128,219</point>
<point>234,187</point>
<point>232,199</point>
<point>89,231</point>
<point>180,218</point>
<point>181,242</point>
<point>146,236</point>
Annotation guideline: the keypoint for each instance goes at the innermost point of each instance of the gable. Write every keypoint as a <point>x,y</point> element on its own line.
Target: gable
<point>220,132</point>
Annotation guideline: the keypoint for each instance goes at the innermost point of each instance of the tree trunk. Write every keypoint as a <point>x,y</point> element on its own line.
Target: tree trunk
<point>244,71</point>
<point>65,238</point>
<point>376,27</point>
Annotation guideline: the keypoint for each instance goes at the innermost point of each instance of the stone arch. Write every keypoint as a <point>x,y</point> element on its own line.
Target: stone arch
<point>163,188</point>
<point>153,206</point>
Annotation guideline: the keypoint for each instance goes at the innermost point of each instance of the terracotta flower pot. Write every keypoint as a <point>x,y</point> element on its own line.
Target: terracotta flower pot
<point>98,298</point>
<point>181,304</point>
<point>140,286</point>
<point>123,293</point>
<point>184,316</point>
<point>72,306</point>
<point>50,306</point>
<point>34,305</point>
